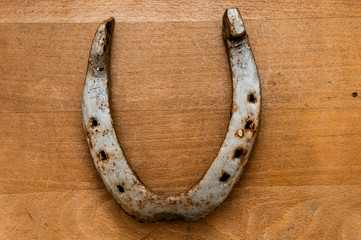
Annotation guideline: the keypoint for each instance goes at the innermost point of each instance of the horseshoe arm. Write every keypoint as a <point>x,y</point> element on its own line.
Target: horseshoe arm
<point>116,172</point>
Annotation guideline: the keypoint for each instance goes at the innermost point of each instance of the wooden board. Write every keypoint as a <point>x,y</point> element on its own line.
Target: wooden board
<point>171,97</point>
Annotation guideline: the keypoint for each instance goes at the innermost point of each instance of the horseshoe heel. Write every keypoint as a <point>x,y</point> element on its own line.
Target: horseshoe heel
<point>116,172</point>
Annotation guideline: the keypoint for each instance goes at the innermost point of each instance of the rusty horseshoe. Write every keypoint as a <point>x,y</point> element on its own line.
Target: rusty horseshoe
<point>215,185</point>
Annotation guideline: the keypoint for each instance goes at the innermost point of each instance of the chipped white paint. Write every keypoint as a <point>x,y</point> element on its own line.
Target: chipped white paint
<point>116,172</point>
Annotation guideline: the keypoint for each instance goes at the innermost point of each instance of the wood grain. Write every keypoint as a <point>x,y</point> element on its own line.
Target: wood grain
<point>171,96</point>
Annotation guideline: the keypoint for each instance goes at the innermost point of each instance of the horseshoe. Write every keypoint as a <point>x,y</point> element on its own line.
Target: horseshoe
<point>116,172</point>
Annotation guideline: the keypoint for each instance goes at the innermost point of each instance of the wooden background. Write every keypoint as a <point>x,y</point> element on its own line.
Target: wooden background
<point>171,97</point>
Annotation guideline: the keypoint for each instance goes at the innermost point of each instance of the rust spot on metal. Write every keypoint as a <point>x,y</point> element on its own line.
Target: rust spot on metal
<point>140,204</point>
<point>102,168</point>
<point>240,133</point>
<point>88,137</point>
<point>87,133</point>
<point>90,143</point>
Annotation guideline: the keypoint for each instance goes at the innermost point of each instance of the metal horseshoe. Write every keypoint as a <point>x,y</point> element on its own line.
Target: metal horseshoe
<point>116,172</point>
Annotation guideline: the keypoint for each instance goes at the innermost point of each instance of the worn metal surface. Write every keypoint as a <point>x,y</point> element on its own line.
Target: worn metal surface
<point>215,185</point>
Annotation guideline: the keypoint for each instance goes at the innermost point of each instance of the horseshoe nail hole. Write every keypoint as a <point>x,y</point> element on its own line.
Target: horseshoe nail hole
<point>100,68</point>
<point>249,124</point>
<point>120,188</point>
<point>238,153</point>
<point>225,176</point>
<point>252,98</point>
<point>94,122</point>
<point>102,155</point>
